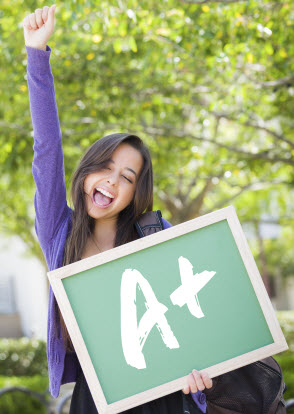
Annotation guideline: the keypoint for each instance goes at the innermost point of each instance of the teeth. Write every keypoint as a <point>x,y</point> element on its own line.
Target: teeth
<point>106,193</point>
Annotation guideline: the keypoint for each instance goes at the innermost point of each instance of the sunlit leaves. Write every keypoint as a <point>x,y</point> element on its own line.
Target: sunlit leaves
<point>193,81</point>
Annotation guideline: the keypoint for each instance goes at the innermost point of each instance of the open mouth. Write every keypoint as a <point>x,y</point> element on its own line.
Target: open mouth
<point>100,199</point>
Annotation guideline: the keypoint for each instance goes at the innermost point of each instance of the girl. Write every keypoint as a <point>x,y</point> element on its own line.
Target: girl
<point>111,189</point>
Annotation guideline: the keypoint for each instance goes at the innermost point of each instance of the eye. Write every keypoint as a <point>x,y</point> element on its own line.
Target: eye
<point>128,179</point>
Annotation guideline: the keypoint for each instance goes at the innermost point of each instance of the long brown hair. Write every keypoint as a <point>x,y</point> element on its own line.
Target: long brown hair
<point>82,224</point>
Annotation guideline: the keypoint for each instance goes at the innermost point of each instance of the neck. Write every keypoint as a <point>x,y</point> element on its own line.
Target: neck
<point>104,232</point>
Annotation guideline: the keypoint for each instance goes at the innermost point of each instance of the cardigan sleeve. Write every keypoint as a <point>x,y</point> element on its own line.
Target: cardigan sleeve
<point>48,165</point>
<point>166,224</point>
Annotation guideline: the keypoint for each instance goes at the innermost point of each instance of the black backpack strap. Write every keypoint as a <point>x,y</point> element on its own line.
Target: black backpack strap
<point>149,223</point>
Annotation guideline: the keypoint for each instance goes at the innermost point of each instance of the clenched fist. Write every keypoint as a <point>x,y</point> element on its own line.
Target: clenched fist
<point>38,27</point>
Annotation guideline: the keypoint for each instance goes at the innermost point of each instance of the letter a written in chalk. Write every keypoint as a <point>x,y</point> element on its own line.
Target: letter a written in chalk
<point>134,335</point>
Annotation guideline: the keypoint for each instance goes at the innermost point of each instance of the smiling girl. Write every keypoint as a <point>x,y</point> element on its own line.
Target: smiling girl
<point>111,189</point>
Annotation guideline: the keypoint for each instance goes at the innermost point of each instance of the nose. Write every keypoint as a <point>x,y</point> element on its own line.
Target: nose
<point>112,178</point>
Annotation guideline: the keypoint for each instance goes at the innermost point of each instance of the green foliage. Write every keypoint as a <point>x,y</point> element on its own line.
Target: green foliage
<point>23,357</point>
<point>18,402</point>
<point>286,359</point>
<point>276,262</point>
<point>286,321</point>
<point>207,86</point>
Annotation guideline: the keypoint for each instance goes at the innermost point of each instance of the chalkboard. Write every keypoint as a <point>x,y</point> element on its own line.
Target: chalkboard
<point>143,315</point>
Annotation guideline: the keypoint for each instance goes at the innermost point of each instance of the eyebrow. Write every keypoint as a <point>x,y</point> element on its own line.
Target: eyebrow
<point>127,168</point>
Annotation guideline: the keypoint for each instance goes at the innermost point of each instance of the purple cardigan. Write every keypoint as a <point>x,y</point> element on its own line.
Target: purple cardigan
<point>53,215</point>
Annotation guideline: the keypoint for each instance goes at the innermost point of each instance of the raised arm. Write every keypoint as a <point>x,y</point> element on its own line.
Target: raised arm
<point>48,164</point>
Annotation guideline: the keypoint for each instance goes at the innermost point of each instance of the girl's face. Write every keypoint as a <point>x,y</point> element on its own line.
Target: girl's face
<point>111,189</point>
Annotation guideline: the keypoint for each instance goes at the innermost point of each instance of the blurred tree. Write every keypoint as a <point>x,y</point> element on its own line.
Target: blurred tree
<point>208,85</point>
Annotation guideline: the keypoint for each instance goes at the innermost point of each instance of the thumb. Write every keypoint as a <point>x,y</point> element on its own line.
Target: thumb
<point>51,11</point>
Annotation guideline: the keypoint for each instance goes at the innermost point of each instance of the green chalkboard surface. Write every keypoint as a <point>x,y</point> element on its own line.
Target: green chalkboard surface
<point>236,312</point>
<point>95,299</point>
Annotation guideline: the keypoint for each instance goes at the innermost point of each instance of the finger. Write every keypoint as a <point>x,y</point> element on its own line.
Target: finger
<point>26,23</point>
<point>45,13</point>
<point>51,12</point>
<point>192,383</point>
<point>207,381</point>
<point>198,380</point>
<point>39,20</point>
<point>186,389</point>
<point>32,19</point>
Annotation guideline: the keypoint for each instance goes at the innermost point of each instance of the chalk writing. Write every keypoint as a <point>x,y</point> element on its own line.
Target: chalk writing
<point>134,335</point>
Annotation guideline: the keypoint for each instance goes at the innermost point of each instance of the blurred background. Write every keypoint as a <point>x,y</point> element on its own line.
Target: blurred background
<point>208,85</point>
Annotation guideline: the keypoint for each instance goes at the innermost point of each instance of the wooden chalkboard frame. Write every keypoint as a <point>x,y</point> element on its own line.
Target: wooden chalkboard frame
<point>227,213</point>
